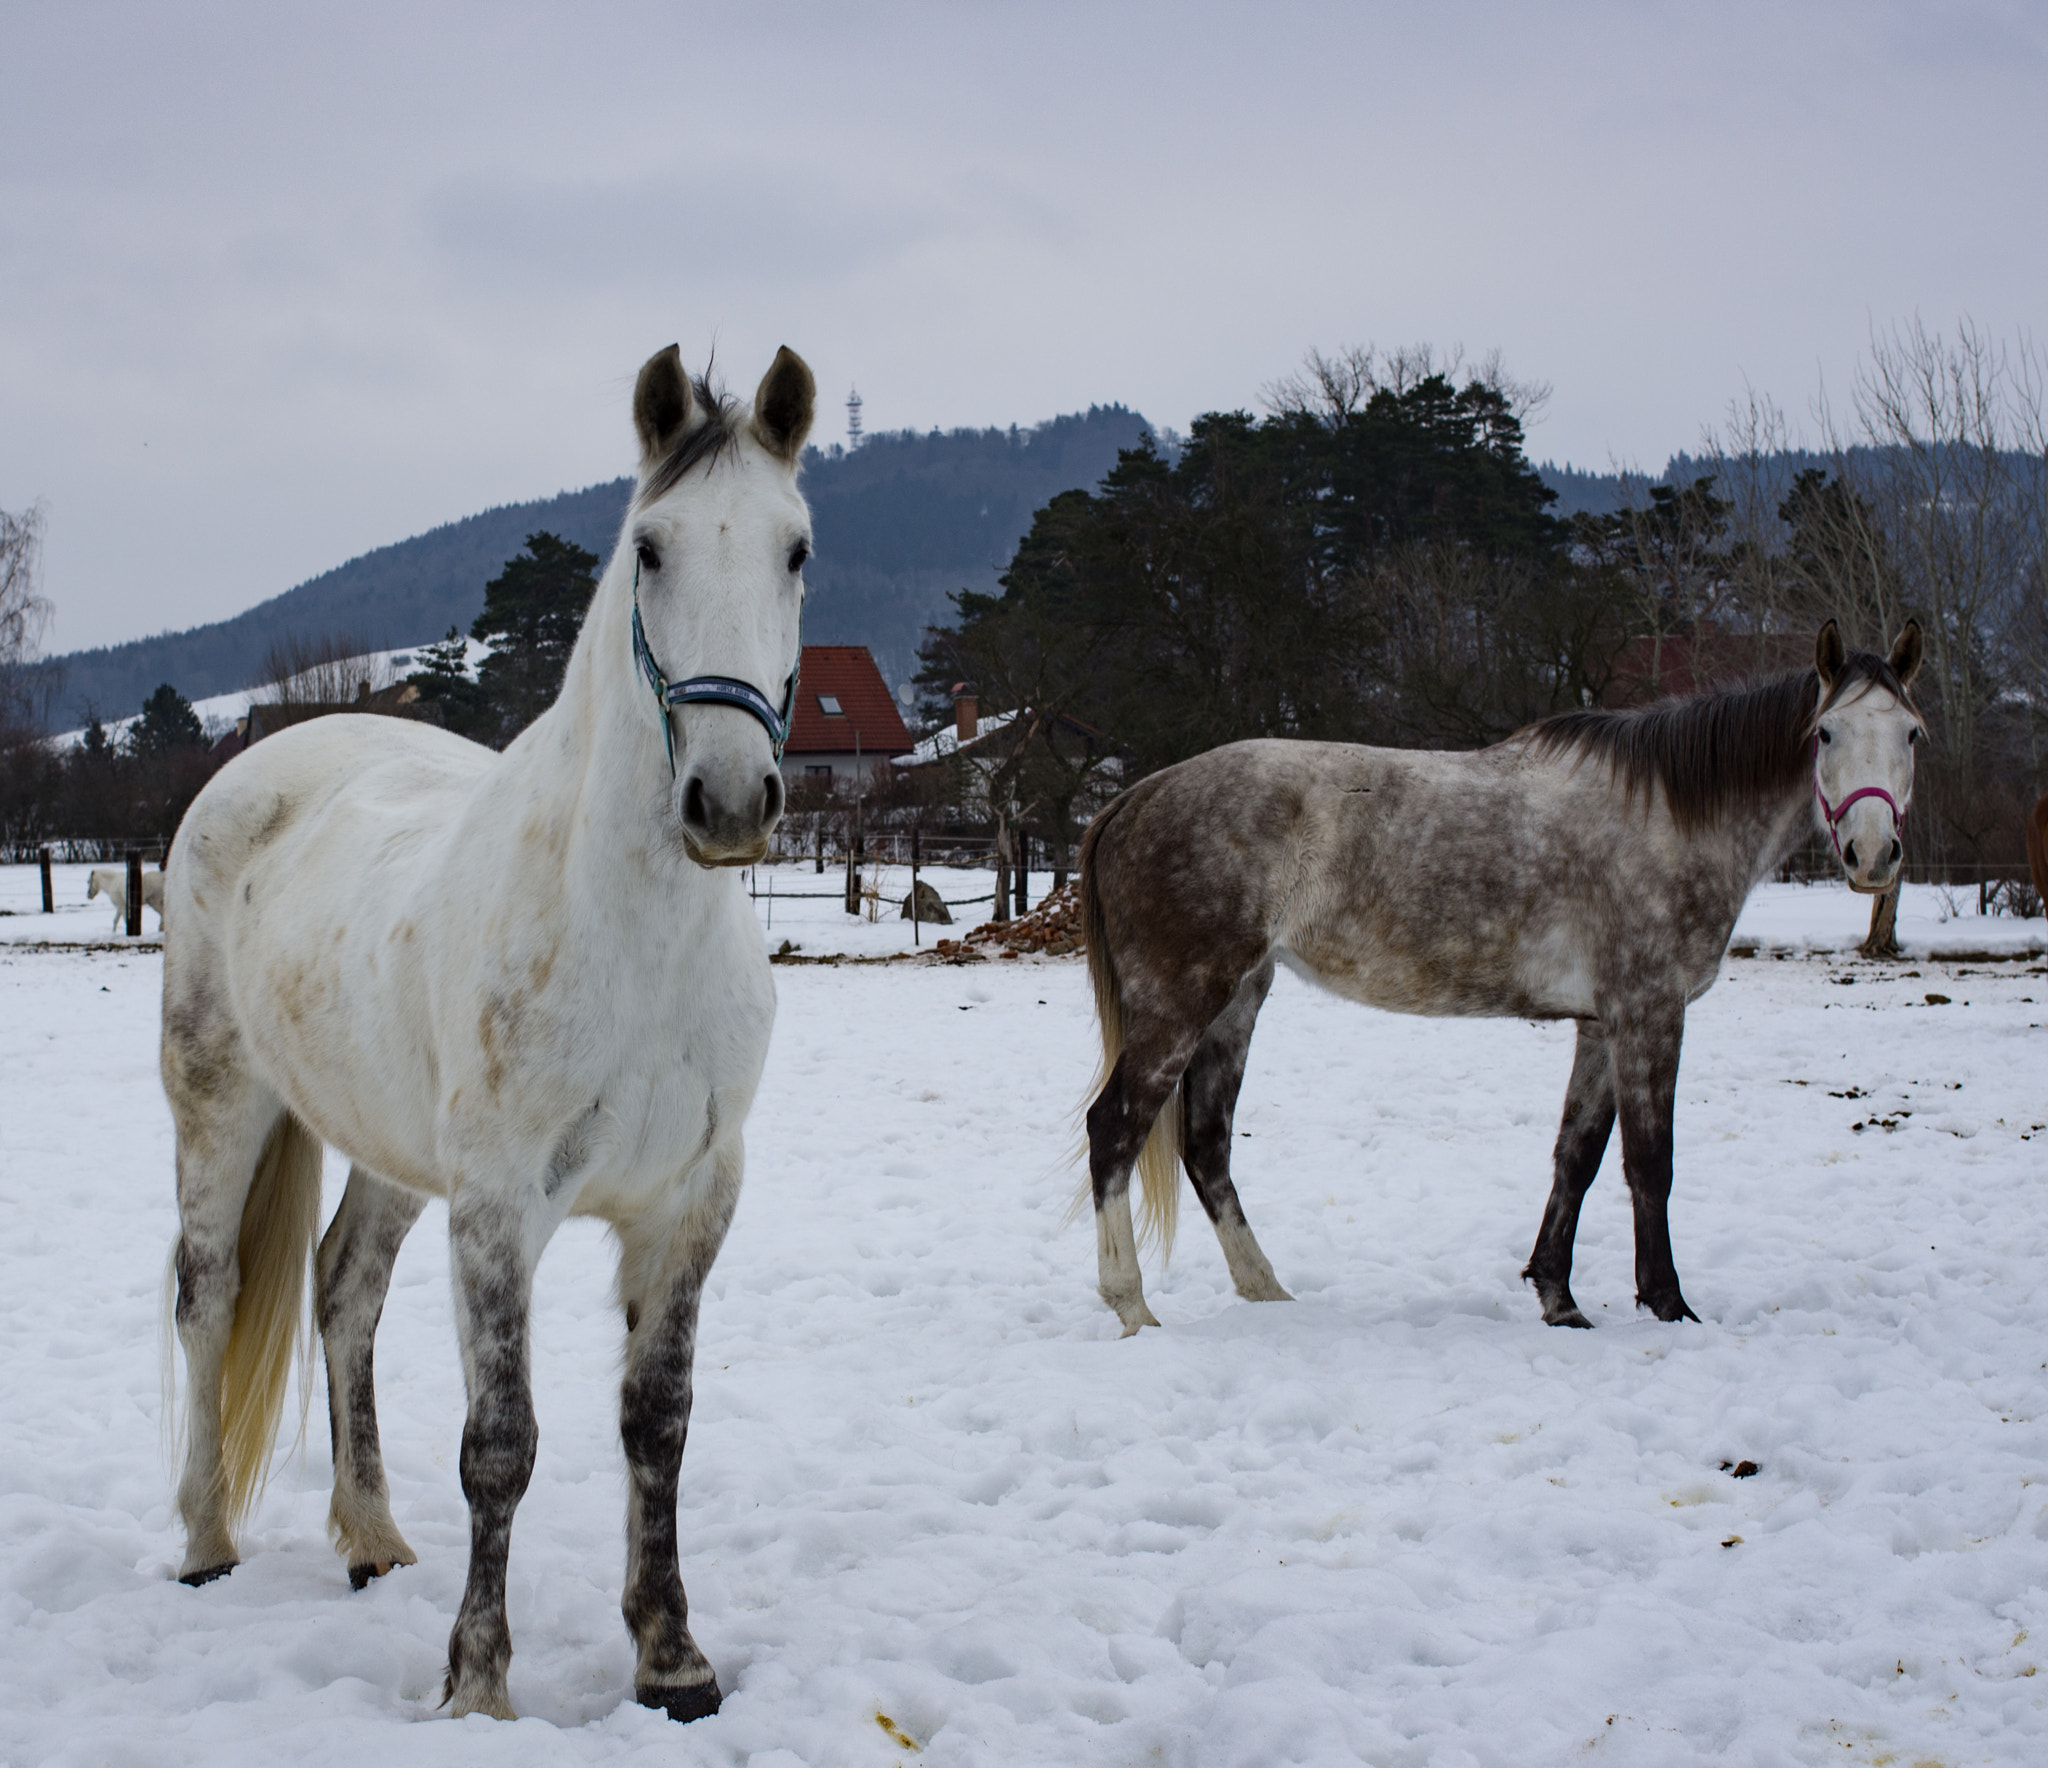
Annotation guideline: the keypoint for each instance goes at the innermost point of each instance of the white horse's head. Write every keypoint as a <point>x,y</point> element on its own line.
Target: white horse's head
<point>1864,735</point>
<point>719,534</point>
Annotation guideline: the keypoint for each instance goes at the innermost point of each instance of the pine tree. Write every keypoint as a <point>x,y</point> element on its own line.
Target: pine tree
<point>167,723</point>
<point>533,610</point>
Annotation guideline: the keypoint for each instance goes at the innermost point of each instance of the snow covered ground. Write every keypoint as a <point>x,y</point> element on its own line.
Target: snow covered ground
<point>1398,1521</point>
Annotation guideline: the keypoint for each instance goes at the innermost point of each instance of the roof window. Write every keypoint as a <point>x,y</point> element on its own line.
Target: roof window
<point>829,705</point>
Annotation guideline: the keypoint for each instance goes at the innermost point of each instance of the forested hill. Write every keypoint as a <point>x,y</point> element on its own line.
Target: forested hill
<point>900,523</point>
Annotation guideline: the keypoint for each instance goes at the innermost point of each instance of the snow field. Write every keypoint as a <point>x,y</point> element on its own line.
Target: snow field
<point>1397,1521</point>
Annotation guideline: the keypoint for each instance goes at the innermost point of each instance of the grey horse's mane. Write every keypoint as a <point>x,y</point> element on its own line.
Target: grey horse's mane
<point>706,442</point>
<point>1711,752</point>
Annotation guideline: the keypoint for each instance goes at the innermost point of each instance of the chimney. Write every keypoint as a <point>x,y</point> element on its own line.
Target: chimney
<point>966,713</point>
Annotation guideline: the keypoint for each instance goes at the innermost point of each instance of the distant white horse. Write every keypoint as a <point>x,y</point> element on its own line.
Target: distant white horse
<point>112,883</point>
<point>524,982</point>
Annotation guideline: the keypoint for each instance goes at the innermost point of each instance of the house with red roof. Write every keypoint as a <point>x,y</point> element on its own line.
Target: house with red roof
<point>845,716</point>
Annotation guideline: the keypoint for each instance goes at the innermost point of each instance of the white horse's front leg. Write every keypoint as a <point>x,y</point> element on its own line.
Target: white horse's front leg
<point>493,1245</point>
<point>662,1268</point>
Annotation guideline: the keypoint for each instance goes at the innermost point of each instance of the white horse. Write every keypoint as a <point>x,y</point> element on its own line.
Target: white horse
<point>112,883</point>
<point>522,982</point>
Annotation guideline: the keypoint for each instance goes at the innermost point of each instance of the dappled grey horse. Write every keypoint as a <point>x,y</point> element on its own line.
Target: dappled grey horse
<point>1589,868</point>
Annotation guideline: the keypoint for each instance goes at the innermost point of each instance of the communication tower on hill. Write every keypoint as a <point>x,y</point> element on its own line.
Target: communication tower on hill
<point>853,420</point>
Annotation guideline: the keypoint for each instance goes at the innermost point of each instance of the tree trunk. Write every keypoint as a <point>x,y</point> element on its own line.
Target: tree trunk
<point>1882,941</point>
<point>1002,901</point>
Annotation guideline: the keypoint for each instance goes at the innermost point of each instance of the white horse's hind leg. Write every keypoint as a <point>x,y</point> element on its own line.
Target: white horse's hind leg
<point>219,1143</point>
<point>353,1273</point>
<point>662,1268</point>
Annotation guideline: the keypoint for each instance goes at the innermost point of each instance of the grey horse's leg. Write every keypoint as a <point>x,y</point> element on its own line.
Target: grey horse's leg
<point>1581,1145</point>
<point>1646,1045</point>
<point>1158,1045</point>
<point>661,1281</point>
<point>490,1247</point>
<point>1118,1123</point>
<point>1209,1091</point>
<point>352,1274</point>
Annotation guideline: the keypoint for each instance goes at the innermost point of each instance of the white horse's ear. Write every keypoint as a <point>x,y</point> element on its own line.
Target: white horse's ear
<point>1829,654</point>
<point>661,404</point>
<point>1906,653</point>
<point>784,405</point>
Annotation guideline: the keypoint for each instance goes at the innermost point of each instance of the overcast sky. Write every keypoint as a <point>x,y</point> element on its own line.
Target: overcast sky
<point>280,284</point>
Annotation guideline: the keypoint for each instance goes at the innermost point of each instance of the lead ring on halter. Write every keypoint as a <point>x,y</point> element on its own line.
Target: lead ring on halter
<point>721,690</point>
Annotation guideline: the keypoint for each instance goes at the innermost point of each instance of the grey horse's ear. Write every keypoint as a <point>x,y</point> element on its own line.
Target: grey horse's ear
<point>1829,654</point>
<point>1907,650</point>
<point>784,406</point>
<point>661,404</point>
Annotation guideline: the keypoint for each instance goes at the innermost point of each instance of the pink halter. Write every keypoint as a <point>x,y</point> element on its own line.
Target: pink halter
<point>1834,813</point>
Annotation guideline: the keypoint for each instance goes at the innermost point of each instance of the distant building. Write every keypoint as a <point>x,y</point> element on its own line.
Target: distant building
<point>1706,660</point>
<point>266,718</point>
<point>845,716</point>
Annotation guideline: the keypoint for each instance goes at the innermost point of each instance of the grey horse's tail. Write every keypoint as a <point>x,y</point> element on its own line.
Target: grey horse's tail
<point>1159,1159</point>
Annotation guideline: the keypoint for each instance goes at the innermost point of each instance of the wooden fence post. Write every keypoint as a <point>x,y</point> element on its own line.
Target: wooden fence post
<point>134,893</point>
<point>916,919</point>
<point>49,894</point>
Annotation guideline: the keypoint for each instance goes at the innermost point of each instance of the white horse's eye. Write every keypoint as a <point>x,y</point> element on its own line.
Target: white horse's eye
<point>1826,735</point>
<point>797,554</point>
<point>650,560</point>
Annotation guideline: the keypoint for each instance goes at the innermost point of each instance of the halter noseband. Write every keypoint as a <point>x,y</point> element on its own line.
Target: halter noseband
<point>720,690</point>
<point>1834,813</point>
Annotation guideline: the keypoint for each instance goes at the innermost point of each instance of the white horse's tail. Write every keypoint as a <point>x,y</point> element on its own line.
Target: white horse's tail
<point>278,1224</point>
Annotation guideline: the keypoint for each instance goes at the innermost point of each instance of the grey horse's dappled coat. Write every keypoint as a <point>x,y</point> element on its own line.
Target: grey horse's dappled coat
<point>1590,868</point>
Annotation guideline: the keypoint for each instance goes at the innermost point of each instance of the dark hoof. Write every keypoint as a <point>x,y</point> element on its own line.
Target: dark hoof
<point>359,1576</point>
<point>695,1700</point>
<point>1558,1307</point>
<point>1668,1308</point>
<point>195,1579</point>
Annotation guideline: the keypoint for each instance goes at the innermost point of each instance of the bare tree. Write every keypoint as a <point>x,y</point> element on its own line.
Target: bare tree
<point>24,614</point>
<point>1330,388</point>
<point>330,669</point>
<point>24,617</point>
<point>1933,501</point>
<point>1954,467</point>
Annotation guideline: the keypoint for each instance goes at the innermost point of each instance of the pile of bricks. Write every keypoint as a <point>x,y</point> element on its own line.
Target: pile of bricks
<point>1052,929</point>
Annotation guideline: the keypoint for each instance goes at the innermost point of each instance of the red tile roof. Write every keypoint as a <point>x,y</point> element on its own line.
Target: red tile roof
<point>848,674</point>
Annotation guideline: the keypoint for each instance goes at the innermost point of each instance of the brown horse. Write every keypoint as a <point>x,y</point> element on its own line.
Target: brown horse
<point>1590,868</point>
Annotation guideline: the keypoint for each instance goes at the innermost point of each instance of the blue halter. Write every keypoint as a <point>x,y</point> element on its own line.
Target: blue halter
<point>720,690</point>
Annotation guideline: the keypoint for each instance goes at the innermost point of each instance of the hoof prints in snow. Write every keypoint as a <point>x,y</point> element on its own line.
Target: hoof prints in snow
<point>1396,1520</point>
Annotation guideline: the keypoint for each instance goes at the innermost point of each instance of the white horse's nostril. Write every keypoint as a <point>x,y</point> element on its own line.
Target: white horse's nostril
<point>1897,850</point>
<point>1849,855</point>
